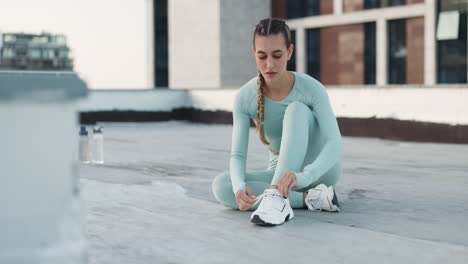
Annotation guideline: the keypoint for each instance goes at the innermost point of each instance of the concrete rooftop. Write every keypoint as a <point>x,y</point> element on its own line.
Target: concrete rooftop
<point>151,202</point>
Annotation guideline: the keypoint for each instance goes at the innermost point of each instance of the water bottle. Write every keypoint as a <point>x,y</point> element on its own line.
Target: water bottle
<point>98,145</point>
<point>84,145</point>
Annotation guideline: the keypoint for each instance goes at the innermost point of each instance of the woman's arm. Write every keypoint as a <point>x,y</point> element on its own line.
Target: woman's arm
<point>333,148</point>
<point>240,142</point>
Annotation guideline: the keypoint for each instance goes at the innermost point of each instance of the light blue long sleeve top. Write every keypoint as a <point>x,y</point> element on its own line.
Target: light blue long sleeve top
<point>306,90</point>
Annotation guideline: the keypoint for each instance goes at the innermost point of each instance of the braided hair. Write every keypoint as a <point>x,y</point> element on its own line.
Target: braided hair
<point>266,27</point>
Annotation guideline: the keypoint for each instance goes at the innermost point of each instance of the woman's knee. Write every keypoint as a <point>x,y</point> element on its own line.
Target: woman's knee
<point>333,175</point>
<point>298,115</point>
<point>297,111</point>
<point>219,183</point>
<point>222,190</point>
<point>297,107</point>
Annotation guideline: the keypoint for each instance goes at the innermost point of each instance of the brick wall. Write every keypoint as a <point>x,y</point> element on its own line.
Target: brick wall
<point>342,54</point>
<point>326,7</point>
<point>279,9</point>
<point>415,50</point>
<point>353,5</point>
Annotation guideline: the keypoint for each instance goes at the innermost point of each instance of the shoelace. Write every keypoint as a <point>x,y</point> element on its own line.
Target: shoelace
<point>265,195</point>
<point>315,199</point>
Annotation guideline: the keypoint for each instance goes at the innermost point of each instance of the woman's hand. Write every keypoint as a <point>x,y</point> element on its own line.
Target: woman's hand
<point>287,182</point>
<point>245,201</point>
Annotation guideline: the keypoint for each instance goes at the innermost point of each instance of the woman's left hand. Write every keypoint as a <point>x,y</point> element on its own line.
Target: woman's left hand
<point>287,182</point>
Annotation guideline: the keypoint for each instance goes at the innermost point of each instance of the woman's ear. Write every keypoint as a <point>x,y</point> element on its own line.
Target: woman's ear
<point>290,51</point>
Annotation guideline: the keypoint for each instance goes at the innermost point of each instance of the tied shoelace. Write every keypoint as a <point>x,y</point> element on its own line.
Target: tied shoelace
<point>315,200</point>
<point>268,195</point>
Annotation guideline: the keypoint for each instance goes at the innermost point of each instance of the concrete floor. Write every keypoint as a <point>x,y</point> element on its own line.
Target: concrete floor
<point>151,202</point>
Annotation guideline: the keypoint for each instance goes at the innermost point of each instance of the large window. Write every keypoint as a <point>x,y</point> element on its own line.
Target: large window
<point>303,8</point>
<point>369,53</point>
<point>451,41</point>
<point>161,43</point>
<point>369,4</point>
<point>397,51</point>
<point>292,62</point>
<point>313,52</point>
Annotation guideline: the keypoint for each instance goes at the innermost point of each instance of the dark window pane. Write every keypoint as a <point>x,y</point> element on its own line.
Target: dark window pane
<point>393,2</point>
<point>397,51</point>
<point>452,54</point>
<point>161,43</point>
<point>369,4</point>
<point>369,53</point>
<point>312,7</point>
<point>295,9</point>
<point>303,8</point>
<point>313,52</point>
<point>292,62</point>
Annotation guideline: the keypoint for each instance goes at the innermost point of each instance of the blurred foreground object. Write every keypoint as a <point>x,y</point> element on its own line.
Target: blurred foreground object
<point>39,194</point>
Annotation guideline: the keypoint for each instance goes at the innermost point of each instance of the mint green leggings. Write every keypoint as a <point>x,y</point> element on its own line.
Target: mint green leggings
<point>293,156</point>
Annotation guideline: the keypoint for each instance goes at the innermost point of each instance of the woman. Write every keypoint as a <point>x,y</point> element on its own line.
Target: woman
<point>295,121</point>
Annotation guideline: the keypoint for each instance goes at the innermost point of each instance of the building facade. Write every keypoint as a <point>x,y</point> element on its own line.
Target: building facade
<point>339,42</point>
<point>202,44</point>
<point>379,42</point>
<point>20,51</point>
<point>393,69</point>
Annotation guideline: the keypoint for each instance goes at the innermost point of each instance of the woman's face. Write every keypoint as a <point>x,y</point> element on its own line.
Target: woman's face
<point>272,56</point>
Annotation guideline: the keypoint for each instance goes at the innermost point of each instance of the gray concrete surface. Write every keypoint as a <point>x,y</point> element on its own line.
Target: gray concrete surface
<point>151,202</point>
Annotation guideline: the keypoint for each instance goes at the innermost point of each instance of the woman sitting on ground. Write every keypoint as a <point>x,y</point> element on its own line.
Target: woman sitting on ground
<point>296,123</point>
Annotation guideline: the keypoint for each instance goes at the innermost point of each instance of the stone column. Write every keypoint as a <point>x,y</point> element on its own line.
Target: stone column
<point>381,53</point>
<point>430,67</point>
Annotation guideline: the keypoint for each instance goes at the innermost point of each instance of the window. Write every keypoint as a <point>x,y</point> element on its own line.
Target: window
<point>63,54</point>
<point>8,53</point>
<point>386,3</point>
<point>452,46</point>
<point>10,38</point>
<point>303,8</point>
<point>34,53</point>
<point>369,53</point>
<point>161,43</point>
<point>397,51</point>
<point>313,52</point>
<point>47,54</point>
<point>370,4</point>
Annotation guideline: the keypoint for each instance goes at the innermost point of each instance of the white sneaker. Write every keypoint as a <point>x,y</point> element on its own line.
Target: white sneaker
<point>322,198</point>
<point>273,210</point>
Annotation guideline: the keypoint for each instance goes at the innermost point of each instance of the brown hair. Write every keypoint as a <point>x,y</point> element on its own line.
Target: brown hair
<point>266,27</point>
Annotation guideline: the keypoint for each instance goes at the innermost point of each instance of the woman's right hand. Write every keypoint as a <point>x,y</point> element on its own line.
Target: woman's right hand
<point>245,201</point>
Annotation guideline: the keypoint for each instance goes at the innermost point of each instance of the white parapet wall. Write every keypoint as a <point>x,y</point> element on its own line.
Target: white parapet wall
<point>442,104</point>
<point>154,100</point>
<point>447,105</point>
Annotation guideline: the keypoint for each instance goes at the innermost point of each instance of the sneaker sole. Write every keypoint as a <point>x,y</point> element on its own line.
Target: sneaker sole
<point>257,220</point>
<point>334,202</point>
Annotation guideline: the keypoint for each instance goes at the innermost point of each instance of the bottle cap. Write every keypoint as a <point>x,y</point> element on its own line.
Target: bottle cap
<point>97,129</point>
<point>83,131</point>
